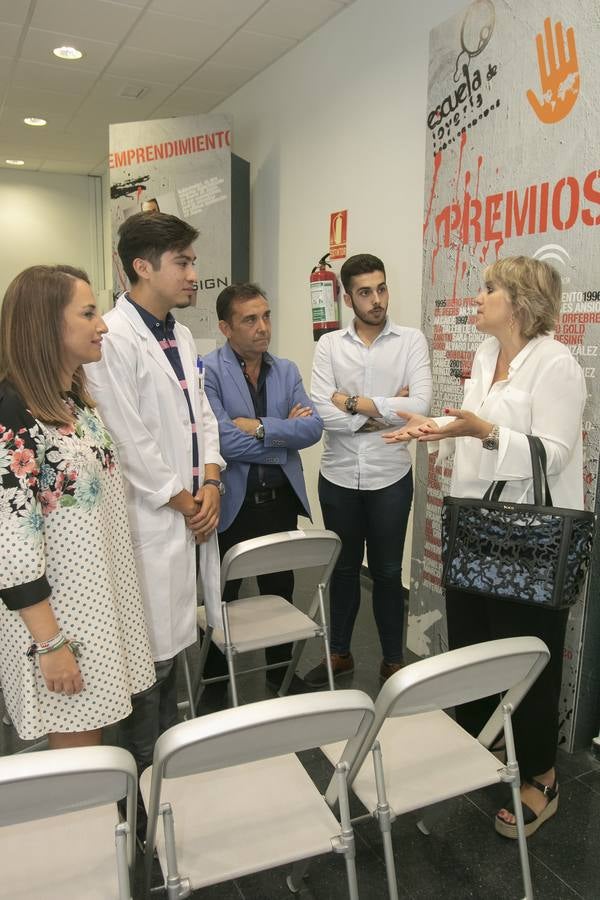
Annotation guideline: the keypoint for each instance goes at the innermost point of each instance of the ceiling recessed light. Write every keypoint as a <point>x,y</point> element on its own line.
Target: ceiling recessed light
<point>34,120</point>
<point>67,53</point>
<point>15,162</point>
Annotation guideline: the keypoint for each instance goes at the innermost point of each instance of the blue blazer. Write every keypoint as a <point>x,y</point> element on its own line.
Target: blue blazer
<point>228,394</point>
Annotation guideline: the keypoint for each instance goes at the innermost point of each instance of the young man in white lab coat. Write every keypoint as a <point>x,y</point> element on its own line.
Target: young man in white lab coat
<point>148,393</point>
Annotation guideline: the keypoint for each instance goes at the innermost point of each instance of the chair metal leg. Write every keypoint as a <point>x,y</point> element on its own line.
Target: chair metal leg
<point>325,633</point>
<point>384,817</point>
<point>514,778</point>
<point>299,645</point>
<point>230,665</point>
<point>204,648</point>
<point>123,871</point>
<point>431,816</point>
<point>188,683</point>
<point>522,840</point>
<point>291,669</point>
<point>229,656</point>
<point>131,820</point>
<point>177,887</point>
<point>344,843</point>
<point>351,876</point>
<point>295,878</point>
<point>150,843</point>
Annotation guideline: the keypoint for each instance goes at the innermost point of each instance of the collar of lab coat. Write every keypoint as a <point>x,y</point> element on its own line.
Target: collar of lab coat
<point>154,349</point>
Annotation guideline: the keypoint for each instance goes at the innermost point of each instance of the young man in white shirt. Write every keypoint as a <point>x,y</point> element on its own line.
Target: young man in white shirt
<point>361,375</point>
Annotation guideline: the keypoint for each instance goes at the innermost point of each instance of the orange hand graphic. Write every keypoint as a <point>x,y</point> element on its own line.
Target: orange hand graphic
<point>559,74</point>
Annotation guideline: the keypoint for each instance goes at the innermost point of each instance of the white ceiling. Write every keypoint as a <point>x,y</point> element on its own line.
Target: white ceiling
<point>189,55</point>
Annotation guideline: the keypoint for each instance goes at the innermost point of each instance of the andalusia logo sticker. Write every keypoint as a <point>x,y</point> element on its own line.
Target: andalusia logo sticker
<point>559,74</point>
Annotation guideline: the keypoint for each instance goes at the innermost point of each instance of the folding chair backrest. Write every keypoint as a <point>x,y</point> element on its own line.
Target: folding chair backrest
<point>281,551</point>
<point>39,785</point>
<point>466,674</point>
<point>262,730</point>
<point>452,678</point>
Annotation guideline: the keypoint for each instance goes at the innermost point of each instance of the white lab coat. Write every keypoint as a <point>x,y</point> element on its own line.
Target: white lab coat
<point>145,410</point>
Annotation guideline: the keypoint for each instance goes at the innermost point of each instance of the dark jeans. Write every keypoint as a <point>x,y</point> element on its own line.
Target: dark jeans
<point>377,519</point>
<point>473,619</point>
<point>154,710</point>
<point>255,520</point>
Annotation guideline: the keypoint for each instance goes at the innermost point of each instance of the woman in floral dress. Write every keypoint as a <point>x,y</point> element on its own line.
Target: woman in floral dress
<point>73,641</point>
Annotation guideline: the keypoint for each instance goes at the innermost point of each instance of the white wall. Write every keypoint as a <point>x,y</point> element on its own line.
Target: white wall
<point>339,123</point>
<point>47,218</point>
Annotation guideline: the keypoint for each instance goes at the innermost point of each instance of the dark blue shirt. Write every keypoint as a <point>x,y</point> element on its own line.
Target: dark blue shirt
<point>164,332</point>
<point>259,475</point>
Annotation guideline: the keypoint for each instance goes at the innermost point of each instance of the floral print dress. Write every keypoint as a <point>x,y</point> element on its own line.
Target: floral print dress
<point>64,534</point>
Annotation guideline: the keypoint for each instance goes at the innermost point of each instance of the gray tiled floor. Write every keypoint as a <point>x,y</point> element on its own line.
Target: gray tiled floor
<point>463,857</point>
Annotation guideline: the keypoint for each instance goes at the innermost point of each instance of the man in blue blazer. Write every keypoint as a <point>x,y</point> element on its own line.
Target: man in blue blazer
<point>265,417</point>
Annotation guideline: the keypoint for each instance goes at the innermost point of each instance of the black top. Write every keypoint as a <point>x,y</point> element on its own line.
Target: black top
<point>15,418</point>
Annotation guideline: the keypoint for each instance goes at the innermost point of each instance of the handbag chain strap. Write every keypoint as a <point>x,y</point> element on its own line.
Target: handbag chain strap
<point>538,469</point>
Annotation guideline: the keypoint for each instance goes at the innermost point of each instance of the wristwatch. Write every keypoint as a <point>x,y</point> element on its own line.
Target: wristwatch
<point>492,441</point>
<point>259,434</point>
<point>351,404</point>
<point>218,484</point>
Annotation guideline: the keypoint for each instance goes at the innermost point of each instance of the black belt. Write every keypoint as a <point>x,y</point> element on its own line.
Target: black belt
<point>262,496</point>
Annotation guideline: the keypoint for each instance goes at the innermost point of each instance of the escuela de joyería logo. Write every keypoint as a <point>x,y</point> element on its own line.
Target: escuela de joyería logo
<point>463,108</point>
<point>469,99</point>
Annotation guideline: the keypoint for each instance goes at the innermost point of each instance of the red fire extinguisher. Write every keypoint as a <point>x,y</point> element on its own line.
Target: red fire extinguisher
<point>324,298</point>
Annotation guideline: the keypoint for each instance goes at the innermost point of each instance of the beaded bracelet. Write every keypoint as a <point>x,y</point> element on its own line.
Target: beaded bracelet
<point>38,648</point>
<point>51,644</point>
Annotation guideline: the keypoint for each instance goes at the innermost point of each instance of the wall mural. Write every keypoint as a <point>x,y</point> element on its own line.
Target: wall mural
<point>512,168</point>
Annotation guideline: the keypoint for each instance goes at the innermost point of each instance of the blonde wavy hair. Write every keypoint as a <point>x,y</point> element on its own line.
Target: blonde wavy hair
<point>535,291</point>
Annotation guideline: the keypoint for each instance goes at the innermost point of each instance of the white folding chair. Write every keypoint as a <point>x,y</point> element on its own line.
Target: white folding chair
<point>235,798</point>
<point>60,837</point>
<point>426,756</point>
<point>252,623</point>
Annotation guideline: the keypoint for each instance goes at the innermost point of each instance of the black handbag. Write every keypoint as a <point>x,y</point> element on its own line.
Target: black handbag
<point>530,553</point>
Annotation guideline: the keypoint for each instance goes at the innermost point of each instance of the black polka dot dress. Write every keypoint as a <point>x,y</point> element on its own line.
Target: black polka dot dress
<point>64,534</point>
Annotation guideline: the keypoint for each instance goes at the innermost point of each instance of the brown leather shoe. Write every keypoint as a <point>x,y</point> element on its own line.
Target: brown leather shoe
<point>341,665</point>
<point>388,669</point>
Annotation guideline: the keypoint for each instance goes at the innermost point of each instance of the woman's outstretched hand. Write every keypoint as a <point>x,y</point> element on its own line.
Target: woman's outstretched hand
<point>464,424</point>
<point>415,427</point>
<point>422,428</point>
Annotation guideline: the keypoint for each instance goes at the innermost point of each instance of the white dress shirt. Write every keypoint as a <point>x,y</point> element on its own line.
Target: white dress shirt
<point>544,394</point>
<point>398,357</point>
